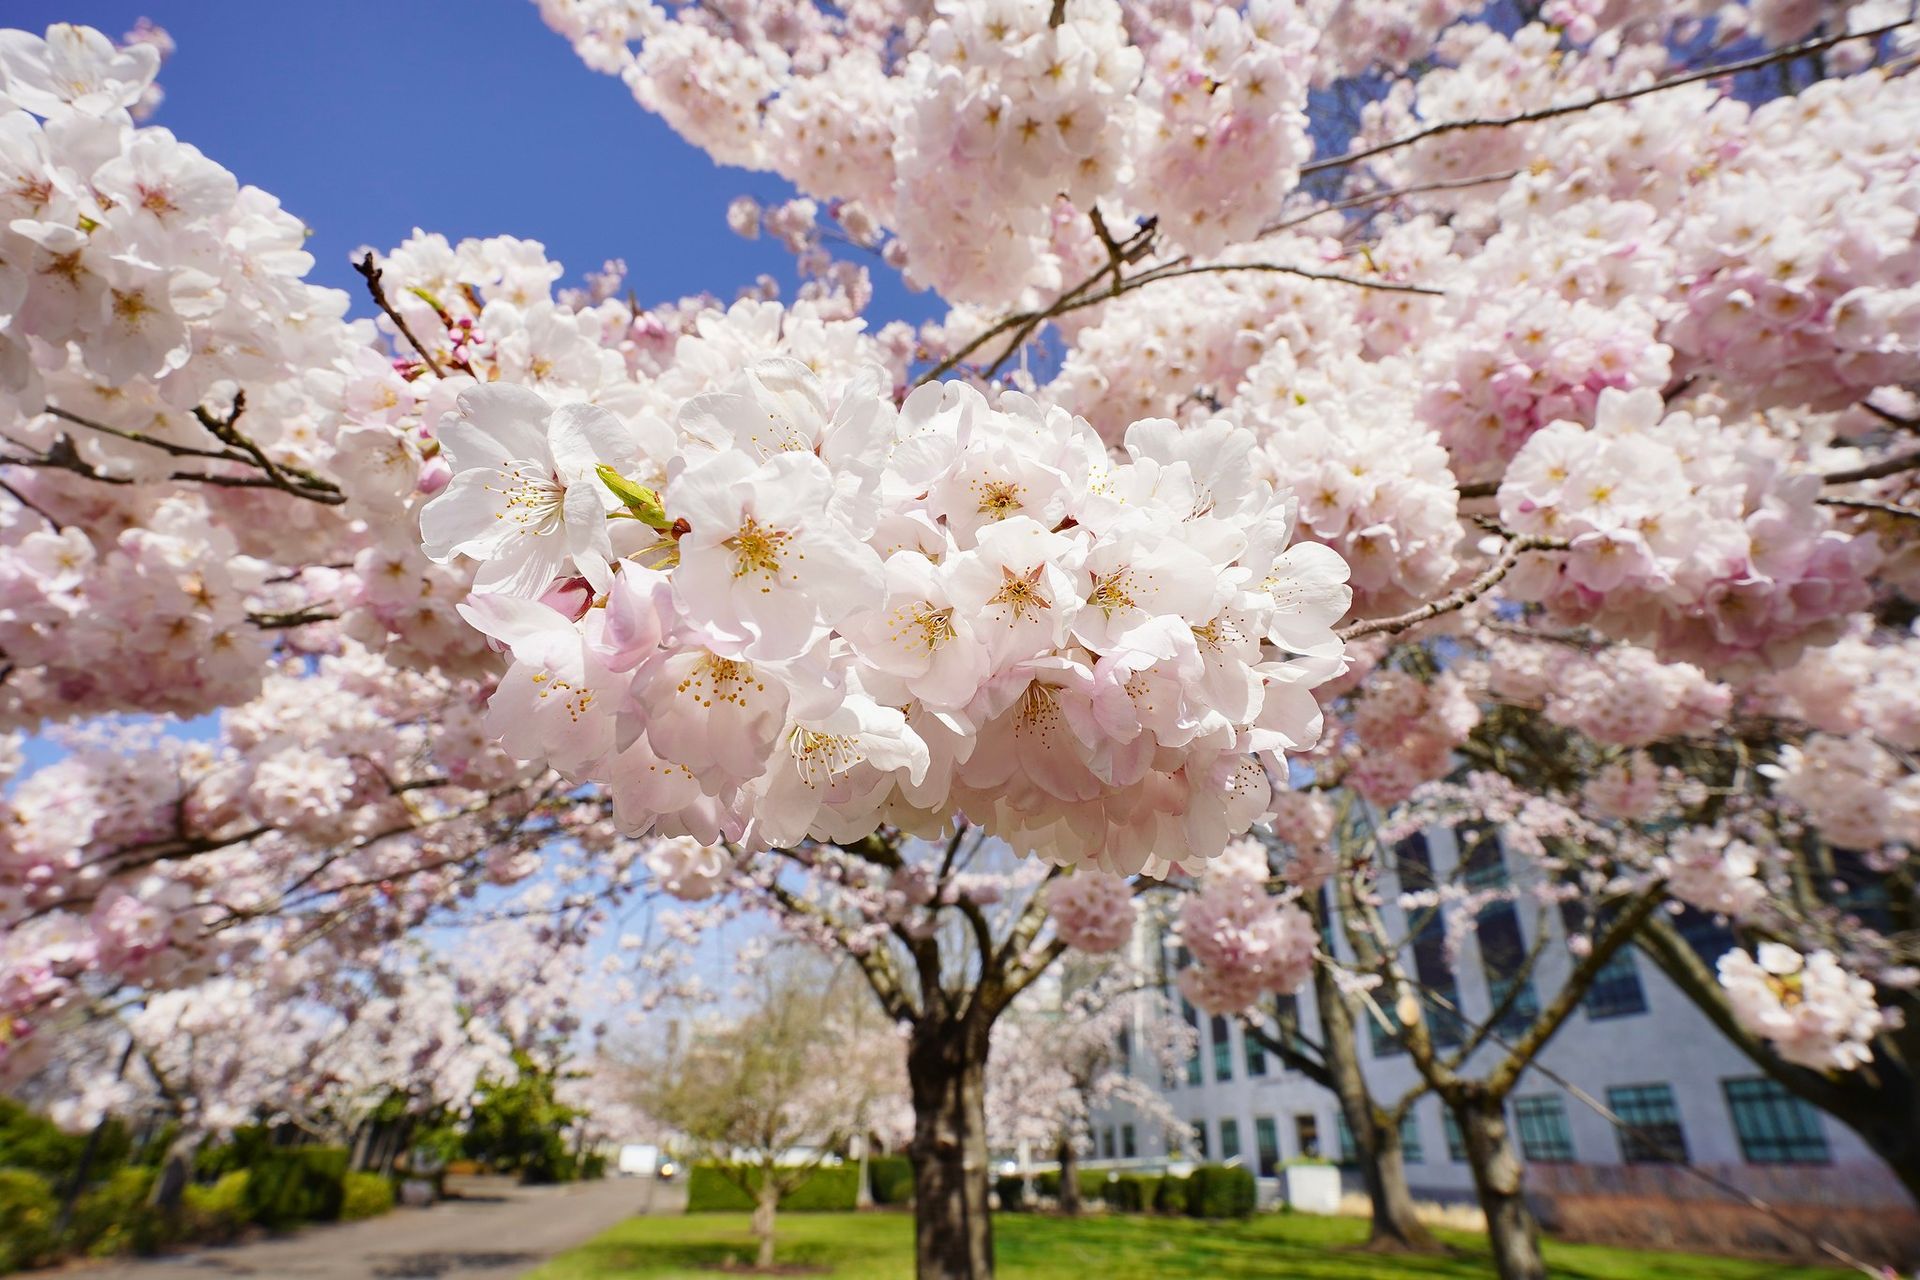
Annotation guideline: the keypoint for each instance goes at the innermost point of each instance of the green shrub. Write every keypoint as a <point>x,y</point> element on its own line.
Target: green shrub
<point>1012,1190</point>
<point>1047,1183</point>
<point>115,1216</point>
<point>291,1185</point>
<point>27,1213</point>
<point>828,1189</point>
<point>593,1166</point>
<point>217,1212</point>
<point>28,1140</point>
<point>365,1195</point>
<point>1130,1192</point>
<point>1171,1195</point>
<point>890,1178</point>
<point>1221,1191</point>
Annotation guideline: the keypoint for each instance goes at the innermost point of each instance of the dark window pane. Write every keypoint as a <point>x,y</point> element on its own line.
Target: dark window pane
<point>1128,1147</point>
<point>1456,1145</point>
<point>1222,1047</point>
<point>1266,1141</point>
<point>1650,1132</point>
<point>1229,1139</point>
<point>1542,1124</point>
<point>1774,1126</point>
<point>1410,1148</point>
<point>1200,1139</point>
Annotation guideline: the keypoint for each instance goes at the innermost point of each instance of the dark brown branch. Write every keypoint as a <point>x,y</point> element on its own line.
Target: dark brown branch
<point>371,273</point>
<point>1379,197</point>
<point>1875,470</point>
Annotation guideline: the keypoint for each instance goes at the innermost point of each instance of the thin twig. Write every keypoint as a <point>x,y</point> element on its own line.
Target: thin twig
<point>1376,197</point>
<point>371,273</point>
<point>1548,113</point>
<point>1868,504</point>
<point>1509,557</point>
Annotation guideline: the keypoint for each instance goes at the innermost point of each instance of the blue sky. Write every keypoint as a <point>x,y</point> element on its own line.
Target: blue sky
<point>468,117</point>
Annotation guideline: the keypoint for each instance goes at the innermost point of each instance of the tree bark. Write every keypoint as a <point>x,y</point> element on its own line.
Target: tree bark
<point>1069,1177</point>
<point>766,1203</point>
<point>1512,1230</point>
<point>947,1074</point>
<point>1383,1166</point>
<point>176,1171</point>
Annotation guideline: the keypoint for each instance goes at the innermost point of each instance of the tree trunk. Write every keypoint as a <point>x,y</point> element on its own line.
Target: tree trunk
<point>766,1203</point>
<point>1383,1166</point>
<point>176,1171</point>
<point>947,1073</point>
<point>1512,1231</point>
<point>863,1189</point>
<point>1069,1177</point>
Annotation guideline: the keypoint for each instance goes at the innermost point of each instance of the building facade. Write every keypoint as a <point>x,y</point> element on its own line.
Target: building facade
<point>1637,1045</point>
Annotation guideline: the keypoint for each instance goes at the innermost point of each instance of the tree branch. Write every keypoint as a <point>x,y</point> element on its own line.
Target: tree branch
<point>1509,557</point>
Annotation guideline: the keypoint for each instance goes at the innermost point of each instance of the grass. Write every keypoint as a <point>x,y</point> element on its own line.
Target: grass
<point>879,1246</point>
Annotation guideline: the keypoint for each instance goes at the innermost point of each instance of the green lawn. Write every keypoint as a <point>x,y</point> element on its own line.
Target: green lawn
<point>878,1246</point>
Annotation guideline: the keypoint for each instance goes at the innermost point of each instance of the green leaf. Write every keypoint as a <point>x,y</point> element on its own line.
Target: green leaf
<point>642,502</point>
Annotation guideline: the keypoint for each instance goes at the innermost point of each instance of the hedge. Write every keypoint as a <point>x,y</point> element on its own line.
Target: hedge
<point>1171,1195</point>
<point>115,1217</point>
<point>27,1214</point>
<point>1012,1190</point>
<point>216,1212</point>
<point>365,1195</point>
<point>1093,1184</point>
<point>1221,1191</point>
<point>291,1185</point>
<point>828,1189</point>
<point>890,1179</point>
<point>1130,1192</point>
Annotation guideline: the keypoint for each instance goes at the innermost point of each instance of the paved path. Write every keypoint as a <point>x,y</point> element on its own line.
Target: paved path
<point>501,1237</point>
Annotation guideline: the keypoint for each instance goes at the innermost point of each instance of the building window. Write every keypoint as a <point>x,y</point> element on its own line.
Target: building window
<point>1306,1135</point>
<point>1456,1145</point>
<point>1266,1143</point>
<point>1200,1139</point>
<point>1123,1050</point>
<point>1544,1135</point>
<point>1503,947</point>
<point>1650,1132</point>
<point>1774,1126</point>
<point>1616,990</point>
<point>1256,1055</point>
<point>1349,1153</point>
<point>1229,1139</point>
<point>1440,997</point>
<point>1222,1047</point>
<point>1195,1074</point>
<point>1128,1146</point>
<point>1410,1149</point>
<point>1106,1142</point>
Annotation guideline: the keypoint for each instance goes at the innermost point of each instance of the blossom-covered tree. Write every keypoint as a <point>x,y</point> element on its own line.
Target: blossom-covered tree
<point>1306,367</point>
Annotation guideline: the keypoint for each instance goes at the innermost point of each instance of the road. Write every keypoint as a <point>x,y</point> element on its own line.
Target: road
<point>502,1234</point>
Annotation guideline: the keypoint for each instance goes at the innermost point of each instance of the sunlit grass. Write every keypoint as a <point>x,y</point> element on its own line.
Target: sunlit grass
<point>879,1246</point>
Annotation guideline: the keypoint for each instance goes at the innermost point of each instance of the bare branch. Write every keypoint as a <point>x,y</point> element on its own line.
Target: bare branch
<point>1786,54</point>
<point>1509,557</point>
<point>371,273</point>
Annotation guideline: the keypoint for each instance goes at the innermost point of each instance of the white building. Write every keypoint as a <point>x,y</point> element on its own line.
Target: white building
<point>1638,1045</point>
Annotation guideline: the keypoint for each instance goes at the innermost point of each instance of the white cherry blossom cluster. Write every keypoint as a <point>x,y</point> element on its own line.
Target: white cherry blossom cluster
<point>1806,1006</point>
<point>1245,943</point>
<point>1092,912</point>
<point>806,614</point>
<point>1625,697</point>
<point>1855,791</point>
<point>1685,534</point>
